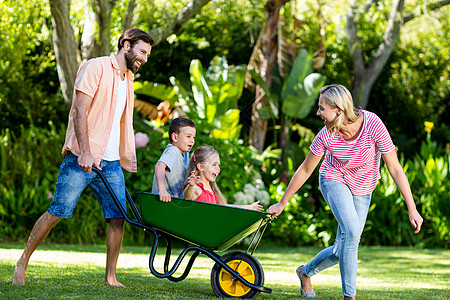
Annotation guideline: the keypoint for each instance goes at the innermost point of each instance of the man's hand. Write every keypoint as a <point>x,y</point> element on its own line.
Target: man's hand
<point>86,161</point>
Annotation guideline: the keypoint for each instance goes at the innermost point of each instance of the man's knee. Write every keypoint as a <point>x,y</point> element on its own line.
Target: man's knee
<point>49,218</point>
<point>116,222</point>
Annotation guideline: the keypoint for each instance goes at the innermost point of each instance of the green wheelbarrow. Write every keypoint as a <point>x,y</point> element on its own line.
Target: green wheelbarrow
<point>208,228</point>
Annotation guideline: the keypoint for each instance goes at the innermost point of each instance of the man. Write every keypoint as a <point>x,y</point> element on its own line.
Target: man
<point>100,134</point>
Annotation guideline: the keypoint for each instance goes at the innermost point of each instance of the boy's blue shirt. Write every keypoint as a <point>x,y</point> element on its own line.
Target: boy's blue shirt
<point>177,165</point>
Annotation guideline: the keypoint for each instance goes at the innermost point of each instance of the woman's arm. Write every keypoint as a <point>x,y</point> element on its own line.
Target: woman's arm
<point>401,181</point>
<point>302,174</point>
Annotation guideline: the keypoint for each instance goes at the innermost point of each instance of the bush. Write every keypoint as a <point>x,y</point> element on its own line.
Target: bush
<point>29,165</point>
<point>29,168</point>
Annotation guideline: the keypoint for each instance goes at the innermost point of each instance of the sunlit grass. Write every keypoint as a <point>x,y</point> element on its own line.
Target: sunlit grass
<point>76,272</point>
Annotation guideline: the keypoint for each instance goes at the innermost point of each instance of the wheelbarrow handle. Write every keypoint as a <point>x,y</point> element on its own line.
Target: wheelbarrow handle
<point>116,200</point>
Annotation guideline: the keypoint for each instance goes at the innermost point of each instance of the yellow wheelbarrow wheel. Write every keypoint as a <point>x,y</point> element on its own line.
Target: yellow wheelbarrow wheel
<point>226,285</point>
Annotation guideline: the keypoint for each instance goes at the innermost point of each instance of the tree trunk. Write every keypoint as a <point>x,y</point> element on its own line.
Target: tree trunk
<point>65,44</point>
<point>258,129</point>
<point>128,20</point>
<point>365,76</point>
<point>89,46</point>
<point>103,12</point>
<point>65,47</point>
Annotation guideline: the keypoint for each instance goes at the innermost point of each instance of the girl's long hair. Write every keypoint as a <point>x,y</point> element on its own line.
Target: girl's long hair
<point>200,156</point>
<point>338,96</point>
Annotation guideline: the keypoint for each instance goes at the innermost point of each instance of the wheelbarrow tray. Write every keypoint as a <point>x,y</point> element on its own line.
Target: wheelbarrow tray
<point>211,226</point>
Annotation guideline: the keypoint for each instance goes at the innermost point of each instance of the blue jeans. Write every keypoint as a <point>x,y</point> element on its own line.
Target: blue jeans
<point>350,211</point>
<point>72,181</point>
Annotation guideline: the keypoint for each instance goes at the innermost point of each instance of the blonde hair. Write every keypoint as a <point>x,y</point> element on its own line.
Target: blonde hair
<point>200,156</point>
<point>338,96</point>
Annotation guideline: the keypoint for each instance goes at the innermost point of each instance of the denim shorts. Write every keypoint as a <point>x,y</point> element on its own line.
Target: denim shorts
<point>72,181</point>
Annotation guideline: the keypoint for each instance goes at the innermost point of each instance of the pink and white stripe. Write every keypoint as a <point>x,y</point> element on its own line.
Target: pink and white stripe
<point>355,163</point>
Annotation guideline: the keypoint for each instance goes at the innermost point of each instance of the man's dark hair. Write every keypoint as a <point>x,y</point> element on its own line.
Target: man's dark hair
<point>177,124</point>
<point>133,36</point>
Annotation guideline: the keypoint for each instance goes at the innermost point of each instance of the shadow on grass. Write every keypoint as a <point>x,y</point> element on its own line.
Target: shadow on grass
<point>52,282</point>
<point>383,273</point>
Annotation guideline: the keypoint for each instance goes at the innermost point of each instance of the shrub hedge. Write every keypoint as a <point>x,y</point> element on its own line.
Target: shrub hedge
<point>29,165</point>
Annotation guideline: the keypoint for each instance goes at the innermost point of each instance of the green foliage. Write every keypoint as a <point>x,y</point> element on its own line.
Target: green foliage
<point>412,89</point>
<point>432,189</point>
<point>301,88</point>
<point>28,79</point>
<point>297,93</point>
<point>210,97</point>
<point>29,167</point>
<point>388,223</point>
<point>295,96</point>
<point>221,28</point>
<point>300,223</point>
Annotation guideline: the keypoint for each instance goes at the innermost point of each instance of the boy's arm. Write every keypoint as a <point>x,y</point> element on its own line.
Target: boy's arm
<point>160,175</point>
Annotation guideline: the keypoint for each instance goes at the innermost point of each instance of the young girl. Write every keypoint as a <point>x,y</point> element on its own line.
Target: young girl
<point>203,168</point>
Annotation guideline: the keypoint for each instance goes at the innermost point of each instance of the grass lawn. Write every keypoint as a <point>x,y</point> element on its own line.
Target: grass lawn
<point>76,272</point>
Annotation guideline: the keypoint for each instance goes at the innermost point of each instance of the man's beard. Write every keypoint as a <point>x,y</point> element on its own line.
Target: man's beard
<point>130,60</point>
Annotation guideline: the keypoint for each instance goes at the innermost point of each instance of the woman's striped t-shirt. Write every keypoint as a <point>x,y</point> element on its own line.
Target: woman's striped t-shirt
<point>355,163</point>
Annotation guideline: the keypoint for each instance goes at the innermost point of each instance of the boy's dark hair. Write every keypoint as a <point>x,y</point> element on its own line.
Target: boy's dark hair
<point>177,124</point>
<point>133,36</point>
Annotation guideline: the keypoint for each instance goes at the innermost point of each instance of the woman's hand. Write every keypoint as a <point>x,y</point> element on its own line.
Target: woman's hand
<point>276,209</point>
<point>416,220</point>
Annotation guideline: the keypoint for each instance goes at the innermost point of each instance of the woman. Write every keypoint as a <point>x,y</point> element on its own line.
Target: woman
<point>353,142</point>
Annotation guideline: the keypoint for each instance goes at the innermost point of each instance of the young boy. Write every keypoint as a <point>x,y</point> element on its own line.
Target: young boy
<point>170,170</point>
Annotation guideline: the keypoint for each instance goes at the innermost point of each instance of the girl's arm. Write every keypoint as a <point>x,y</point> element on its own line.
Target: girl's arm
<point>302,174</point>
<point>254,206</point>
<point>192,191</point>
<point>401,181</point>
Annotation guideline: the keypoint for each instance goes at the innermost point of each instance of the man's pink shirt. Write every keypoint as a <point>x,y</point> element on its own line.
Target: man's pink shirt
<point>94,78</point>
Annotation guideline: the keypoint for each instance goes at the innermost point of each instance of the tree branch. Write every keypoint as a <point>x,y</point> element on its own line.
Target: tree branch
<point>365,77</point>
<point>161,33</point>
<point>390,38</point>
<point>432,6</point>
<point>369,3</point>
